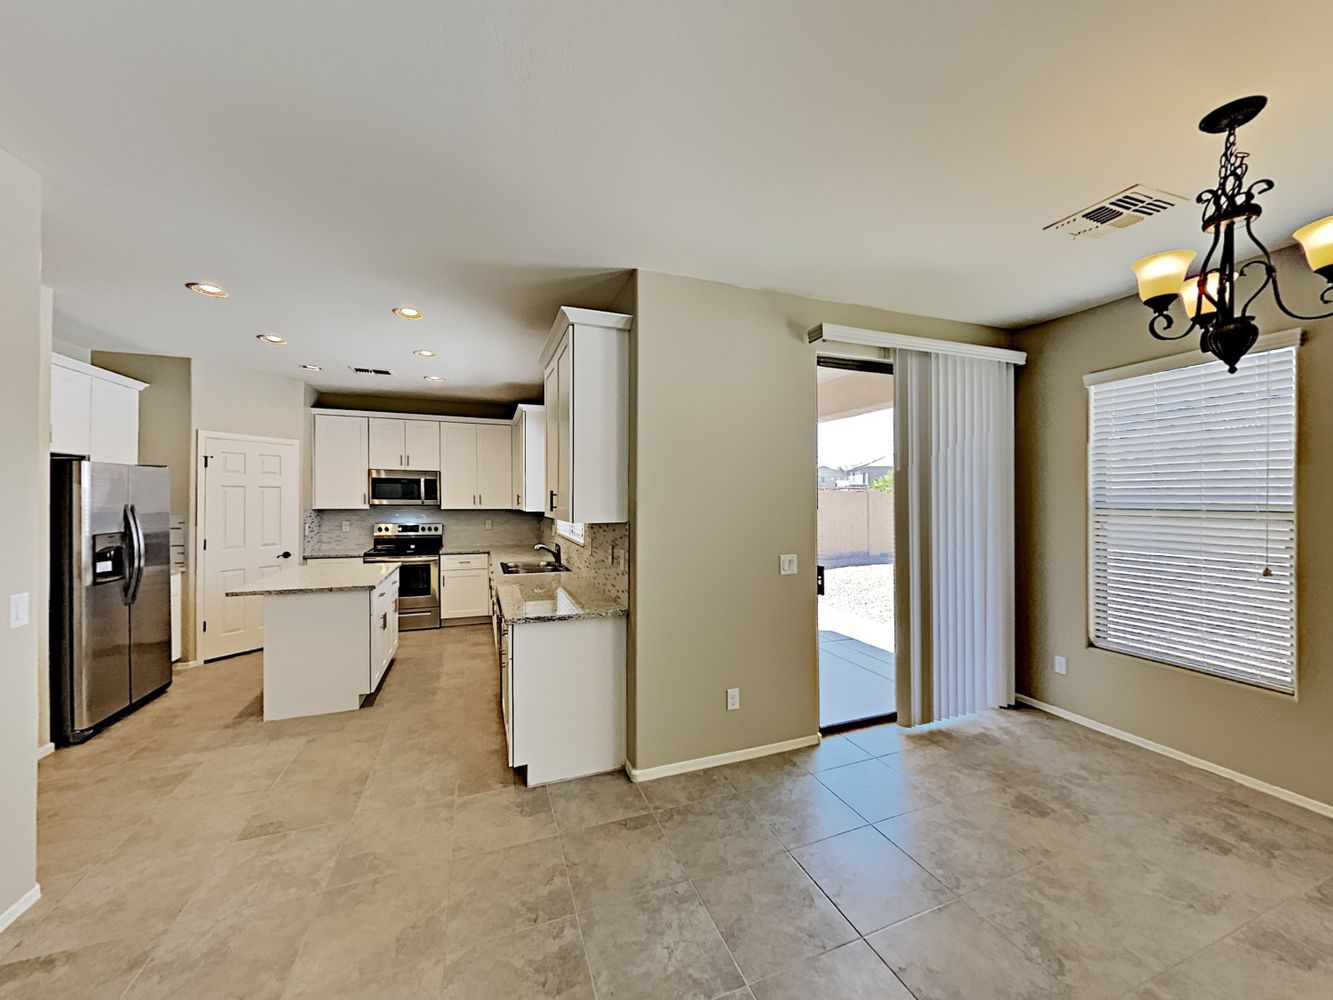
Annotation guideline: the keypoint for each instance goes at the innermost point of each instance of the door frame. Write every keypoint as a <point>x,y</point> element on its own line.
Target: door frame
<point>200,510</point>
<point>880,362</point>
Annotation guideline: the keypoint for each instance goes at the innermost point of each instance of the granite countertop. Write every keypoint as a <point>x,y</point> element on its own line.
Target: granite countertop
<point>335,555</point>
<point>318,578</point>
<point>549,597</point>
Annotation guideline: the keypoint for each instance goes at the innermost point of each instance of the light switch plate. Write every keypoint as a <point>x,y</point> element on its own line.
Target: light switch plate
<point>488,524</point>
<point>1061,665</point>
<point>18,610</point>
<point>787,565</point>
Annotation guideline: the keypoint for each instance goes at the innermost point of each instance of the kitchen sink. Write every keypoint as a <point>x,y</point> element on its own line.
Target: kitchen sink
<point>532,567</point>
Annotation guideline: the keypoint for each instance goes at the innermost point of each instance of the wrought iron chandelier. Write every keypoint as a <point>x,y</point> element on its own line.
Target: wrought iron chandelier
<point>1212,298</point>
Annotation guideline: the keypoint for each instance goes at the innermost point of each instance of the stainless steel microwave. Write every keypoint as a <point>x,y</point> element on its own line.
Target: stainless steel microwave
<point>401,487</point>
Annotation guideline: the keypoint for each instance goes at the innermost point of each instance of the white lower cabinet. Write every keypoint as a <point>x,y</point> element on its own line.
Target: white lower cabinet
<point>465,586</point>
<point>562,691</point>
<point>383,629</point>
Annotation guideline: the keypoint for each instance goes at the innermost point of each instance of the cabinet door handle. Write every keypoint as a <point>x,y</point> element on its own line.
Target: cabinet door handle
<point>553,500</point>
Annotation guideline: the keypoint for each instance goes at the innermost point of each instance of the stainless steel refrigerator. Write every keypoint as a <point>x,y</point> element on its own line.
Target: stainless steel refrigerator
<point>110,592</point>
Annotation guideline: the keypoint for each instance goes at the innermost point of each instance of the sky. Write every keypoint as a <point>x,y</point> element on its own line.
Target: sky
<point>856,440</point>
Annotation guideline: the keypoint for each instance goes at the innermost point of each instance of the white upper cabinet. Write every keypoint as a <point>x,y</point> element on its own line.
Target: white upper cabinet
<point>71,411</point>
<point>94,412</point>
<point>586,365</point>
<point>404,444</point>
<point>421,442</point>
<point>475,466</point>
<point>529,458</point>
<point>341,461</point>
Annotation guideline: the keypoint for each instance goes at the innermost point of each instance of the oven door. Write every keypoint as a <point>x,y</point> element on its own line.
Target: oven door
<point>419,585</point>
<point>397,488</point>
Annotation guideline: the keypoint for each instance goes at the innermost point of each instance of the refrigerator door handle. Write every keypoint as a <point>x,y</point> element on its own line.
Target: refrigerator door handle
<point>135,576</point>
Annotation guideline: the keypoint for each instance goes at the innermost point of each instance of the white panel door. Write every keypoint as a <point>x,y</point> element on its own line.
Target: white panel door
<point>71,401</point>
<point>114,428</point>
<point>387,443</point>
<point>250,499</point>
<point>341,460</point>
<point>421,443</point>
<point>495,468</point>
<point>458,466</point>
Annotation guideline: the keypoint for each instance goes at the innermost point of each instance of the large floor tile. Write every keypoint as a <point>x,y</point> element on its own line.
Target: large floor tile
<point>830,752</point>
<point>383,841</point>
<point>875,790</point>
<point>592,801</point>
<point>300,805</point>
<point>659,946</point>
<point>772,915</point>
<point>546,962</point>
<point>379,926</point>
<point>761,772</point>
<point>717,834</point>
<point>958,852</point>
<point>500,892</point>
<point>267,870</point>
<point>241,954</point>
<point>850,972</point>
<point>619,860</point>
<point>870,880</point>
<point>800,810</point>
<point>952,953</point>
<point>501,818</point>
<point>682,789</point>
<point>879,740</point>
<point>95,970</point>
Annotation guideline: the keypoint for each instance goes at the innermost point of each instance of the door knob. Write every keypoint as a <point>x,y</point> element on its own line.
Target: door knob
<point>285,555</point>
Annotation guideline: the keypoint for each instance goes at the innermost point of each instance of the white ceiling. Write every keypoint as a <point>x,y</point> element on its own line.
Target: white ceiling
<point>488,161</point>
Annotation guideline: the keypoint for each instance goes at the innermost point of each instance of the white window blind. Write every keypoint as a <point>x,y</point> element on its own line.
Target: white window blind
<point>1193,518</point>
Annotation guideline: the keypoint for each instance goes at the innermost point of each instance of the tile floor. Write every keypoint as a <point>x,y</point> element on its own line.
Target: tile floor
<point>388,854</point>
<point>856,679</point>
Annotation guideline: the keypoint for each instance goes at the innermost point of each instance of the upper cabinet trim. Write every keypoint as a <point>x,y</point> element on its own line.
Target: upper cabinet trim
<point>568,316</point>
<point>61,361</point>
<point>390,415</point>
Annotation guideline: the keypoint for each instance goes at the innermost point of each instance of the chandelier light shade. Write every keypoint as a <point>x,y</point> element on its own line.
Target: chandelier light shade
<point>1217,305</point>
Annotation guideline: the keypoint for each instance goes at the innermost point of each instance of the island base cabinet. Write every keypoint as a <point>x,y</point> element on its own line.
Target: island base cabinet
<point>324,652</point>
<point>564,691</point>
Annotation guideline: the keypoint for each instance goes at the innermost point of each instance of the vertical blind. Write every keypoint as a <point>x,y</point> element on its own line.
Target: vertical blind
<point>1193,518</point>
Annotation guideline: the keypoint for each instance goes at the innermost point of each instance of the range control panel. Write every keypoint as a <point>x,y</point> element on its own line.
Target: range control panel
<point>390,530</point>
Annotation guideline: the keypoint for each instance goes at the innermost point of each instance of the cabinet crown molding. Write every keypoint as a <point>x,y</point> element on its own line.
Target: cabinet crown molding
<point>568,316</point>
<point>61,361</point>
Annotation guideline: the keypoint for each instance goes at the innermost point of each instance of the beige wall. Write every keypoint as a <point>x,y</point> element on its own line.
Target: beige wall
<point>1275,738</point>
<point>723,390</point>
<point>23,454</point>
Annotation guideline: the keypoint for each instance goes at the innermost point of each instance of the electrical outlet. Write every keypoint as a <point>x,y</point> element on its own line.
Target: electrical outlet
<point>347,526</point>
<point>488,524</point>
<point>18,610</point>
<point>787,565</point>
<point>733,699</point>
<point>1061,665</point>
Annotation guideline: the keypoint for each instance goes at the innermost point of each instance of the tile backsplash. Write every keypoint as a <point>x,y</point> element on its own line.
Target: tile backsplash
<point>603,558</point>
<point>324,534</point>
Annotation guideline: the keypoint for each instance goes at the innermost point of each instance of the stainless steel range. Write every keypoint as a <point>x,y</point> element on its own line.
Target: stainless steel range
<point>416,548</point>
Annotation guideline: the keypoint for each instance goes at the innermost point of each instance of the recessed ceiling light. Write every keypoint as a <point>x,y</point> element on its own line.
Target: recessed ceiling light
<point>407,312</point>
<point>434,378</point>
<point>312,368</point>
<point>424,354</point>
<point>207,288</point>
<point>271,338</point>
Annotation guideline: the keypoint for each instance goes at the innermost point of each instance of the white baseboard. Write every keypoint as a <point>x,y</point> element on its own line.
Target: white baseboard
<point>1314,805</point>
<point>732,757</point>
<point>187,664</point>
<point>20,906</point>
<point>46,750</point>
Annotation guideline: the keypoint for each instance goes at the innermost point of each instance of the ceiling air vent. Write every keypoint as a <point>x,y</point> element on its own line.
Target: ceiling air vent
<point>371,371</point>
<point>1120,211</point>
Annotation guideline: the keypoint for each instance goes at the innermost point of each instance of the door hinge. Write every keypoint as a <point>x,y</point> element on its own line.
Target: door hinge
<point>205,544</point>
<point>206,458</point>
<point>205,626</point>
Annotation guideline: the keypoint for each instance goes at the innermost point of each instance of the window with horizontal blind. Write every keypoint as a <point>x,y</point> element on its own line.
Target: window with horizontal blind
<point>1192,517</point>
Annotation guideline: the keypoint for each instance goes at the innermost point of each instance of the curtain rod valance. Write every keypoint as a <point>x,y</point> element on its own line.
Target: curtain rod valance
<point>929,345</point>
<point>1268,342</point>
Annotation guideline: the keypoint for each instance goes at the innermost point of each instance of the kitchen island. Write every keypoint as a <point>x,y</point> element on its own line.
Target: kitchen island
<point>330,632</point>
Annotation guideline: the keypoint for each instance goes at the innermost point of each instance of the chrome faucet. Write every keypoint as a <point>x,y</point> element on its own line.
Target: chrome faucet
<point>554,550</point>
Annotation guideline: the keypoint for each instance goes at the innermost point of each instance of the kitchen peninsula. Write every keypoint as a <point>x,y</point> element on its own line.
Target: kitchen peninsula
<point>330,633</point>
